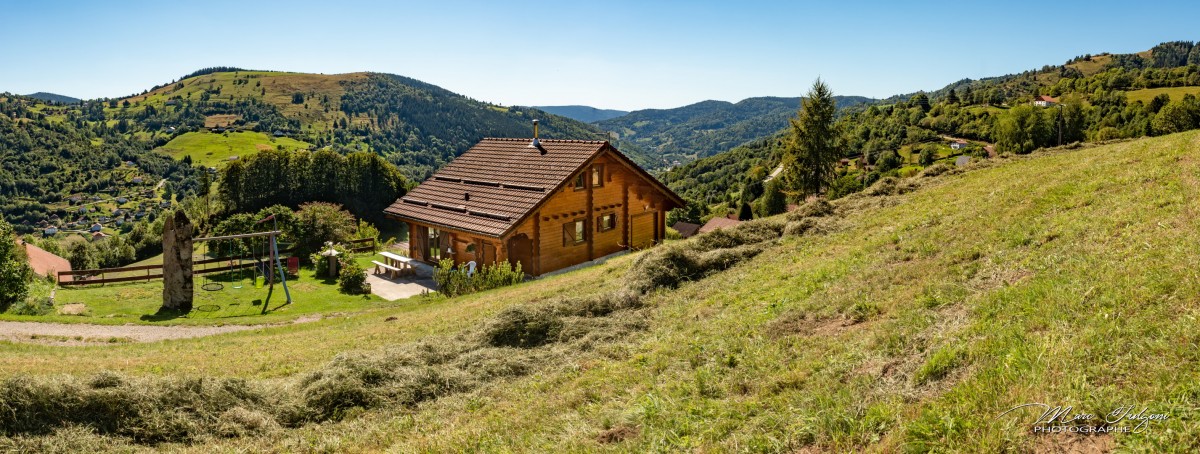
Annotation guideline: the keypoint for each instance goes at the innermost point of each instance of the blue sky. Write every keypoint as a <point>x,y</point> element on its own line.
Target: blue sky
<point>610,54</point>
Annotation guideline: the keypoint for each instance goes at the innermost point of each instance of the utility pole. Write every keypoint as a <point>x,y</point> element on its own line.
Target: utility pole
<point>1060,124</point>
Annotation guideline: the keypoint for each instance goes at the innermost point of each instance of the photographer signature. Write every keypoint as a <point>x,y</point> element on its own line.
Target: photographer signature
<point>1058,418</point>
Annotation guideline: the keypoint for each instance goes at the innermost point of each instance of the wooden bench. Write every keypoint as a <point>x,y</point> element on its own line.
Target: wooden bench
<point>392,271</point>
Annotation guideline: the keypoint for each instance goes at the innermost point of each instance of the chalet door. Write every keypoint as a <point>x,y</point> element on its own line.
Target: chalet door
<point>488,255</point>
<point>642,230</point>
<point>520,250</point>
<point>420,242</point>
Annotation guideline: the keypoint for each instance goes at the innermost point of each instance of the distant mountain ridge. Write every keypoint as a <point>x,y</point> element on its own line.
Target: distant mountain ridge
<point>53,97</point>
<point>415,125</point>
<point>586,114</point>
<point>708,127</point>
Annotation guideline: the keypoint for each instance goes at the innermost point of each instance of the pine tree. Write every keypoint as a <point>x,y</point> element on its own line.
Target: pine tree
<point>746,213</point>
<point>952,97</point>
<point>812,153</point>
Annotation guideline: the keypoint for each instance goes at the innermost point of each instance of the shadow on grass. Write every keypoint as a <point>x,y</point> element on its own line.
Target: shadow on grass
<point>164,315</point>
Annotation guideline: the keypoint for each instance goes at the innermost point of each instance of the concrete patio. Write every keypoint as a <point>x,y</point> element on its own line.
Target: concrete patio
<point>393,289</point>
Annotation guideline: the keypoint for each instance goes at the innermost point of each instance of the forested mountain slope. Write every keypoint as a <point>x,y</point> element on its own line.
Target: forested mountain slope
<point>709,127</point>
<point>587,114</point>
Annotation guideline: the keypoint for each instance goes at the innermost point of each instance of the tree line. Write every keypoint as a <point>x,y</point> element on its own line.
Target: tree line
<point>363,182</point>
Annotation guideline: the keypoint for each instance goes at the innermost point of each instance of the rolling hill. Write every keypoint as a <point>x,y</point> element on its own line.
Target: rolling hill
<point>586,114</point>
<point>416,125</point>
<point>51,97</point>
<point>1102,97</point>
<point>709,127</point>
<point>906,318</point>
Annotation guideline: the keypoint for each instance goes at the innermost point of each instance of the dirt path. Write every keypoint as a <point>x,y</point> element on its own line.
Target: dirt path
<point>76,334</point>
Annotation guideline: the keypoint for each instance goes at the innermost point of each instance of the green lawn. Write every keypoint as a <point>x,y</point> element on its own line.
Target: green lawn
<point>1148,94</point>
<point>215,150</point>
<point>137,302</point>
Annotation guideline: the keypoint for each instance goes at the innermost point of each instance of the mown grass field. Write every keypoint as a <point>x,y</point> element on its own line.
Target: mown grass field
<point>907,321</point>
<point>1148,94</point>
<point>211,149</point>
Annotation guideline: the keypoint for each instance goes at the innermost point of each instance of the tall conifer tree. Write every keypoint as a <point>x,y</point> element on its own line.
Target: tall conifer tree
<point>812,152</point>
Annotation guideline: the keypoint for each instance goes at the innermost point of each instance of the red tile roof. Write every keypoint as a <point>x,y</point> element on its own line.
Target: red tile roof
<point>498,182</point>
<point>42,262</point>
<point>1046,98</point>
<point>686,229</point>
<point>718,223</point>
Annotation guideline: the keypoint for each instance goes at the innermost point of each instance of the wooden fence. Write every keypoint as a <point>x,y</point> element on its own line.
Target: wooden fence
<point>369,245</point>
<point>148,273</point>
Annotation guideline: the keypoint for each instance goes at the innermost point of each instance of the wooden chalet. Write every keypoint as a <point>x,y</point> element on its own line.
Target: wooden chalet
<point>546,204</point>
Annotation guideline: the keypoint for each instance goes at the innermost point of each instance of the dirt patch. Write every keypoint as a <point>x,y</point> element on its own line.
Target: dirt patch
<point>263,147</point>
<point>220,121</point>
<point>808,325</point>
<point>78,334</point>
<point>617,434</point>
<point>73,309</point>
<point>1079,444</point>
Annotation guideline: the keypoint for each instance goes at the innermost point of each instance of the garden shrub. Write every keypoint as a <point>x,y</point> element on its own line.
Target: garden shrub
<point>352,279</point>
<point>453,281</point>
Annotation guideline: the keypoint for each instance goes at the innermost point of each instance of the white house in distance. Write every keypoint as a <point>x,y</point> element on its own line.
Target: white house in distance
<point>1044,101</point>
<point>958,144</point>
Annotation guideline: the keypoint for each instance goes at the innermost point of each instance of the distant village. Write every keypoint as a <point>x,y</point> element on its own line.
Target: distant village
<point>99,215</point>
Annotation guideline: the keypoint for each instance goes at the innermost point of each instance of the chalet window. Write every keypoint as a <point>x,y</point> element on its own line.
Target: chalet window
<point>435,244</point>
<point>598,176</point>
<point>575,232</point>
<point>608,221</point>
<point>581,181</point>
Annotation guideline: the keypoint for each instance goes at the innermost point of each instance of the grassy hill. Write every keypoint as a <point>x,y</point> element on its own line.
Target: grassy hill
<point>709,127</point>
<point>908,317</point>
<point>1148,94</point>
<point>215,149</point>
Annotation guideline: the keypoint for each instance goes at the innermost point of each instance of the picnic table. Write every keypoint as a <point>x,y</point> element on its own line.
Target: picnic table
<point>394,265</point>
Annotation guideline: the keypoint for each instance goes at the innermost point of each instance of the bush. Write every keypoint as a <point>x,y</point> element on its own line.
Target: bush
<point>317,223</point>
<point>367,230</point>
<point>32,306</point>
<point>453,281</point>
<point>352,279</point>
<point>450,281</point>
<point>14,272</point>
<point>321,264</point>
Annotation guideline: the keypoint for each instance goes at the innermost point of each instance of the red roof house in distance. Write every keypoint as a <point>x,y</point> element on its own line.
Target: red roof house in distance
<point>718,223</point>
<point>43,262</point>
<point>1044,101</point>
<point>545,204</point>
<point>686,229</point>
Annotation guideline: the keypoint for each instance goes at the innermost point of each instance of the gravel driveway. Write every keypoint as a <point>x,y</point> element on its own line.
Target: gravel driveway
<point>84,334</point>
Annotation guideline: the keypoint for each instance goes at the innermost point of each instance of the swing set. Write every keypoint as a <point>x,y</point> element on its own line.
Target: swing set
<point>260,269</point>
